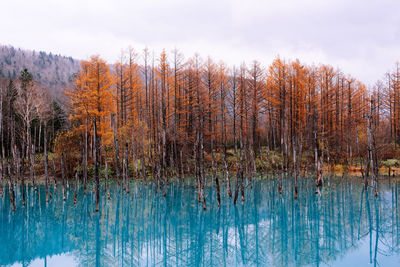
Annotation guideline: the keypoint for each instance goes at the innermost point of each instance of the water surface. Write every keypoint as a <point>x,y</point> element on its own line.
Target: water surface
<point>344,226</point>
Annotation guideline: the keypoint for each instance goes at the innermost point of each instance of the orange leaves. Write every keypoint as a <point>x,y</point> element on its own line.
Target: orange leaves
<point>261,105</point>
<point>92,96</point>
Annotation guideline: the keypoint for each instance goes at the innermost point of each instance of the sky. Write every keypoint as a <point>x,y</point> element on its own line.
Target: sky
<point>361,37</point>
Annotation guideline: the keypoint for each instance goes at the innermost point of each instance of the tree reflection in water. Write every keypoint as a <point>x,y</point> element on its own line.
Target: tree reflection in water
<point>147,229</point>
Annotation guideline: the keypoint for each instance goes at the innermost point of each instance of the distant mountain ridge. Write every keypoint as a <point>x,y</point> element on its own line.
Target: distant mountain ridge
<point>54,72</point>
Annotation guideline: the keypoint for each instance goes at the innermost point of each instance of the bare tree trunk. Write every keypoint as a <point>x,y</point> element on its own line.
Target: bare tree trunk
<point>240,174</point>
<point>22,173</point>
<point>2,146</point>
<point>75,187</point>
<point>135,153</point>
<point>374,150</point>
<point>1,178</point>
<point>369,154</point>
<point>214,176</point>
<point>28,152</point>
<point>85,158</point>
<point>294,167</point>
<point>127,177</point>
<point>33,163</point>
<point>124,171</point>
<point>318,167</point>
<point>245,169</point>
<point>30,158</point>
<point>182,167</point>
<point>173,172</point>
<point>376,167</point>
<point>46,168</point>
<point>106,188</point>
<point>196,166</point>
<point>158,166</point>
<point>225,172</point>
<point>252,160</point>
<point>359,154</point>
<point>118,172</point>
<point>202,176</point>
<point>54,176</point>
<point>239,179</point>
<point>62,176</point>
<point>96,166</point>
<point>11,187</point>
<point>40,135</point>
<point>282,166</point>
<point>164,155</point>
<point>143,156</point>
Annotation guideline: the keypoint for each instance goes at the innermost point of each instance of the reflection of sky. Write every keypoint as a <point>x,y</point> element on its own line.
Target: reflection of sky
<point>144,229</point>
<point>63,260</point>
<point>354,255</point>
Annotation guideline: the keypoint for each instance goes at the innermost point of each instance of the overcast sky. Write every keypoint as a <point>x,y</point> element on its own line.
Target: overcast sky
<point>361,37</point>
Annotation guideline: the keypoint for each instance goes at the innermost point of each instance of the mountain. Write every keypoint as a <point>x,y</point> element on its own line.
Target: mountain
<point>54,72</point>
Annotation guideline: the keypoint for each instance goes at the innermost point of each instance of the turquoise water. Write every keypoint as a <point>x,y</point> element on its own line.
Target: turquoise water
<point>344,226</point>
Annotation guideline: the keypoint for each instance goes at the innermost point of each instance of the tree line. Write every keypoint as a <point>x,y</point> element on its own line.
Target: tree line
<point>155,117</point>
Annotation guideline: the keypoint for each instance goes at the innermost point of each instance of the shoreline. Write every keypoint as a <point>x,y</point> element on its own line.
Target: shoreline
<point>41,179</point>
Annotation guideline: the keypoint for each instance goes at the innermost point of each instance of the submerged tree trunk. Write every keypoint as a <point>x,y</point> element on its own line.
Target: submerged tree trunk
<point>225,172</point>
<point>294,167</point>
<point>245,169</point>
<point>46,168</point>
<point>359,154</point>
<point>214,175</point>
<point>142,155</point>
<point>62,176</point>
<point>33,164</point>
<point>164,148</point>
<point>374,149</point>
<point>181,163</point>
<point>239,183</point>
<point>369,149</point>
<point>2,146</point>
<point>240,171</point>
<point>106,189</point>
<point>318,167</point>
<point>76,187</point>
<point>118,171</point>
<point>202,175</point>
<point>157,164</point>
<point>11,187</point>
<point>85,158</point>
<point>22,173</point>
<point>282,166</point>
<point>1,178</point>
<point>196,165</point>
<point>54,176</point>
<point>127,177</point>
<point>96,166</point>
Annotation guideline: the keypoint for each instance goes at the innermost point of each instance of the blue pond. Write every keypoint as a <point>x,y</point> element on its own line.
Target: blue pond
<point>343,226</point>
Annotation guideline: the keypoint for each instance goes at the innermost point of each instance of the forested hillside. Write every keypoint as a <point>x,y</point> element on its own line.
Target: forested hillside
<point>54,72</point>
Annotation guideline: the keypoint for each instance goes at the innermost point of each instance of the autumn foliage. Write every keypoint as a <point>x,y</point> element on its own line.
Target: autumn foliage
<point>160,116</point>
<point>177,117</point>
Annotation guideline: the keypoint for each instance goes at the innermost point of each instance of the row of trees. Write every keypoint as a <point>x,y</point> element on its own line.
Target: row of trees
<point>28,119</point>
<point>155,117</point>
<point>168,117</point>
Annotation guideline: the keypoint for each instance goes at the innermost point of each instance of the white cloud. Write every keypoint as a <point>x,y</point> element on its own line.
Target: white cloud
<point>360,37</point>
